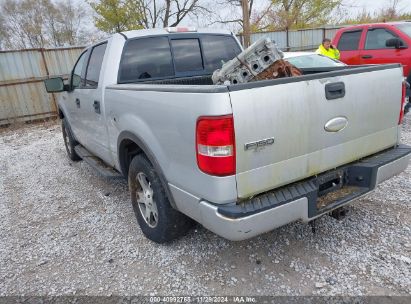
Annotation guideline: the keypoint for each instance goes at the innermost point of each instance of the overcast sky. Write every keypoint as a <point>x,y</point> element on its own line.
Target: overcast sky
<point>372,5</point>
<point>352,7</point>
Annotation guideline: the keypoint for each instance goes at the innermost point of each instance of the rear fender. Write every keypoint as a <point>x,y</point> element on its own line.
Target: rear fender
<point>126,135</point>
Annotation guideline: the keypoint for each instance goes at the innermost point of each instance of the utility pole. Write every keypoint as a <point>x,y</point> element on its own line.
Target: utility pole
<point>246,22</point>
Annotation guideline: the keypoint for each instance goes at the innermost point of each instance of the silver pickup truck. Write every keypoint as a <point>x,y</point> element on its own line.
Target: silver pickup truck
<point>239,159</point>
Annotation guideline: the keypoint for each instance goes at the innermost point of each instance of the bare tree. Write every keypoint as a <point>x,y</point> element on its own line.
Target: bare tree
<point>172,12</point>
<point>43,23</point>
<point>391,11</point>
<point>134,14</point>
<point>246,22</point>
<point>234,14</point>
<point>21,24</point>
<point>4,35</point>
<point>73,26</point>
<point>295,14</point>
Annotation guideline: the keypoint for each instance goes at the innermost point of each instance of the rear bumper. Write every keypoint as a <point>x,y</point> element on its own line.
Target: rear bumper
<point>299,201</point>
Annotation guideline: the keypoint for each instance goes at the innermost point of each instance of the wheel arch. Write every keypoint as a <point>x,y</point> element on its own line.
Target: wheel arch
<point>63,116</point>
<point>130,145</point>
<point>60,113</point>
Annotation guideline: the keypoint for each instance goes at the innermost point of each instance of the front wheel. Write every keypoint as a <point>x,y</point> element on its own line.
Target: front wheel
<point>157,219</point>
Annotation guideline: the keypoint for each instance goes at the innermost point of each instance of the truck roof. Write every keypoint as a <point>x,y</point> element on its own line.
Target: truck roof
<point>393,23</point>
<point>164,31</point>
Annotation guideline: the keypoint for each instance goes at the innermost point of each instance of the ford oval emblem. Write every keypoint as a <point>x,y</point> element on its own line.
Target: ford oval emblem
<point>336,124</point>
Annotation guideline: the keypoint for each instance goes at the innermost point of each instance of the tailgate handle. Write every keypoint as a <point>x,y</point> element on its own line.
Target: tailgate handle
<point>334,90</point>
<point>366,56</point>
<point>96,106</point>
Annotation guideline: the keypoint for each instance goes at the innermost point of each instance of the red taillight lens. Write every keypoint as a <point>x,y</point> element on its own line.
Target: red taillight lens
<point>215,145</point>
<point>404,89</point>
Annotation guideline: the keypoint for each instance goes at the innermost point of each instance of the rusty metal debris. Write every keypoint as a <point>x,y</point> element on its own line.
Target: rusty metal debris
<point>261,61</point>
<point>279,69</point>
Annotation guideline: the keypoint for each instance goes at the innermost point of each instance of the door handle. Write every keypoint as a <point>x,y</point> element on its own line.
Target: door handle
<point>78,102</point>
<point>96,106</point>
<point>366,56</point>
<point>334,90</point>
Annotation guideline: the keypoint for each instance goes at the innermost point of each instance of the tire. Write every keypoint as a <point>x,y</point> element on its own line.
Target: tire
<point>159,221</point>
<point>69,141</point>
<point>408,93</point>
<point>407,106</point>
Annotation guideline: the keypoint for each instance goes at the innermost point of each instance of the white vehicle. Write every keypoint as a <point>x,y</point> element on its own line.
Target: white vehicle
<point>306,60</point>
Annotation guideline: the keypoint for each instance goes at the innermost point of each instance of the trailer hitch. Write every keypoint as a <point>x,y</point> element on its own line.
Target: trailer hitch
<point>339,213</point>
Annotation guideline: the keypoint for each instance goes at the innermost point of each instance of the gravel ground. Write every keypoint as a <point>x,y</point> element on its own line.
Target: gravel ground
<point>65,230</point>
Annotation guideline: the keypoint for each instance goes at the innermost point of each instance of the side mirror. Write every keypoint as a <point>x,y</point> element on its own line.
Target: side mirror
<point>76,80</point>
<point>395,42</point>
<point>54,85</point>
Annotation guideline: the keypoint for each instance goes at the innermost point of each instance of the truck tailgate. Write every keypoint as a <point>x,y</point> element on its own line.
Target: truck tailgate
<point>293,128</point>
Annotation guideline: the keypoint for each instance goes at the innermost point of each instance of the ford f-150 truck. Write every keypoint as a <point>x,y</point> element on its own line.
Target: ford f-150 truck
<point>239,159</point>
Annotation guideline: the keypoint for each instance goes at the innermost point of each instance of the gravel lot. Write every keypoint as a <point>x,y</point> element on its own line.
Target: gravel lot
<point>65,230</point>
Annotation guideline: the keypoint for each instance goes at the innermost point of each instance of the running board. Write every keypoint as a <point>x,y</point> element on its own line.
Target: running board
<point>96,163</point>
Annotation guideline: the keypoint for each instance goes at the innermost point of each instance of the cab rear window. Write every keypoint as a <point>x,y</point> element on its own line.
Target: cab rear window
<point>218,50</point>
<point>187,55</point>
<point>164,57</point>
<point>146,58</point>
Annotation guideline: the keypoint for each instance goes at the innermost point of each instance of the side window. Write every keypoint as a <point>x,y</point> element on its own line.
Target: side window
<point>376,39</point>
<point>218,50</point>
<point>94,65</point>
<point>76,79</point>
<point>349,41</point>
<point>146,58</point>
<point>187,55</point>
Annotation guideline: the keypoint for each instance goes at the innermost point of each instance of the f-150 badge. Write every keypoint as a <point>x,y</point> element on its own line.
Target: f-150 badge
<point>259,144</point>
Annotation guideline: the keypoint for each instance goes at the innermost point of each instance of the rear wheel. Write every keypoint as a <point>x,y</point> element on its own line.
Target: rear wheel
<point>407,105</point>
<point>408,94</point>
<point>157,219</point>
<point>69,141</point>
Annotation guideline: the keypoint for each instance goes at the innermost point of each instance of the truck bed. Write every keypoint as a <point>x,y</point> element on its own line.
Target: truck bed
<point>206,80</point>
<point>293,111</point>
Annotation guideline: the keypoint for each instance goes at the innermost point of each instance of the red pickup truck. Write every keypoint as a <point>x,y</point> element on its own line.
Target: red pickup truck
<point>376,43</point>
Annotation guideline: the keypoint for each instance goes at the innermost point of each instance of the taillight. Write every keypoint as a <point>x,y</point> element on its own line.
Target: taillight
<point>404,89</point>
<point>215,145</point>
